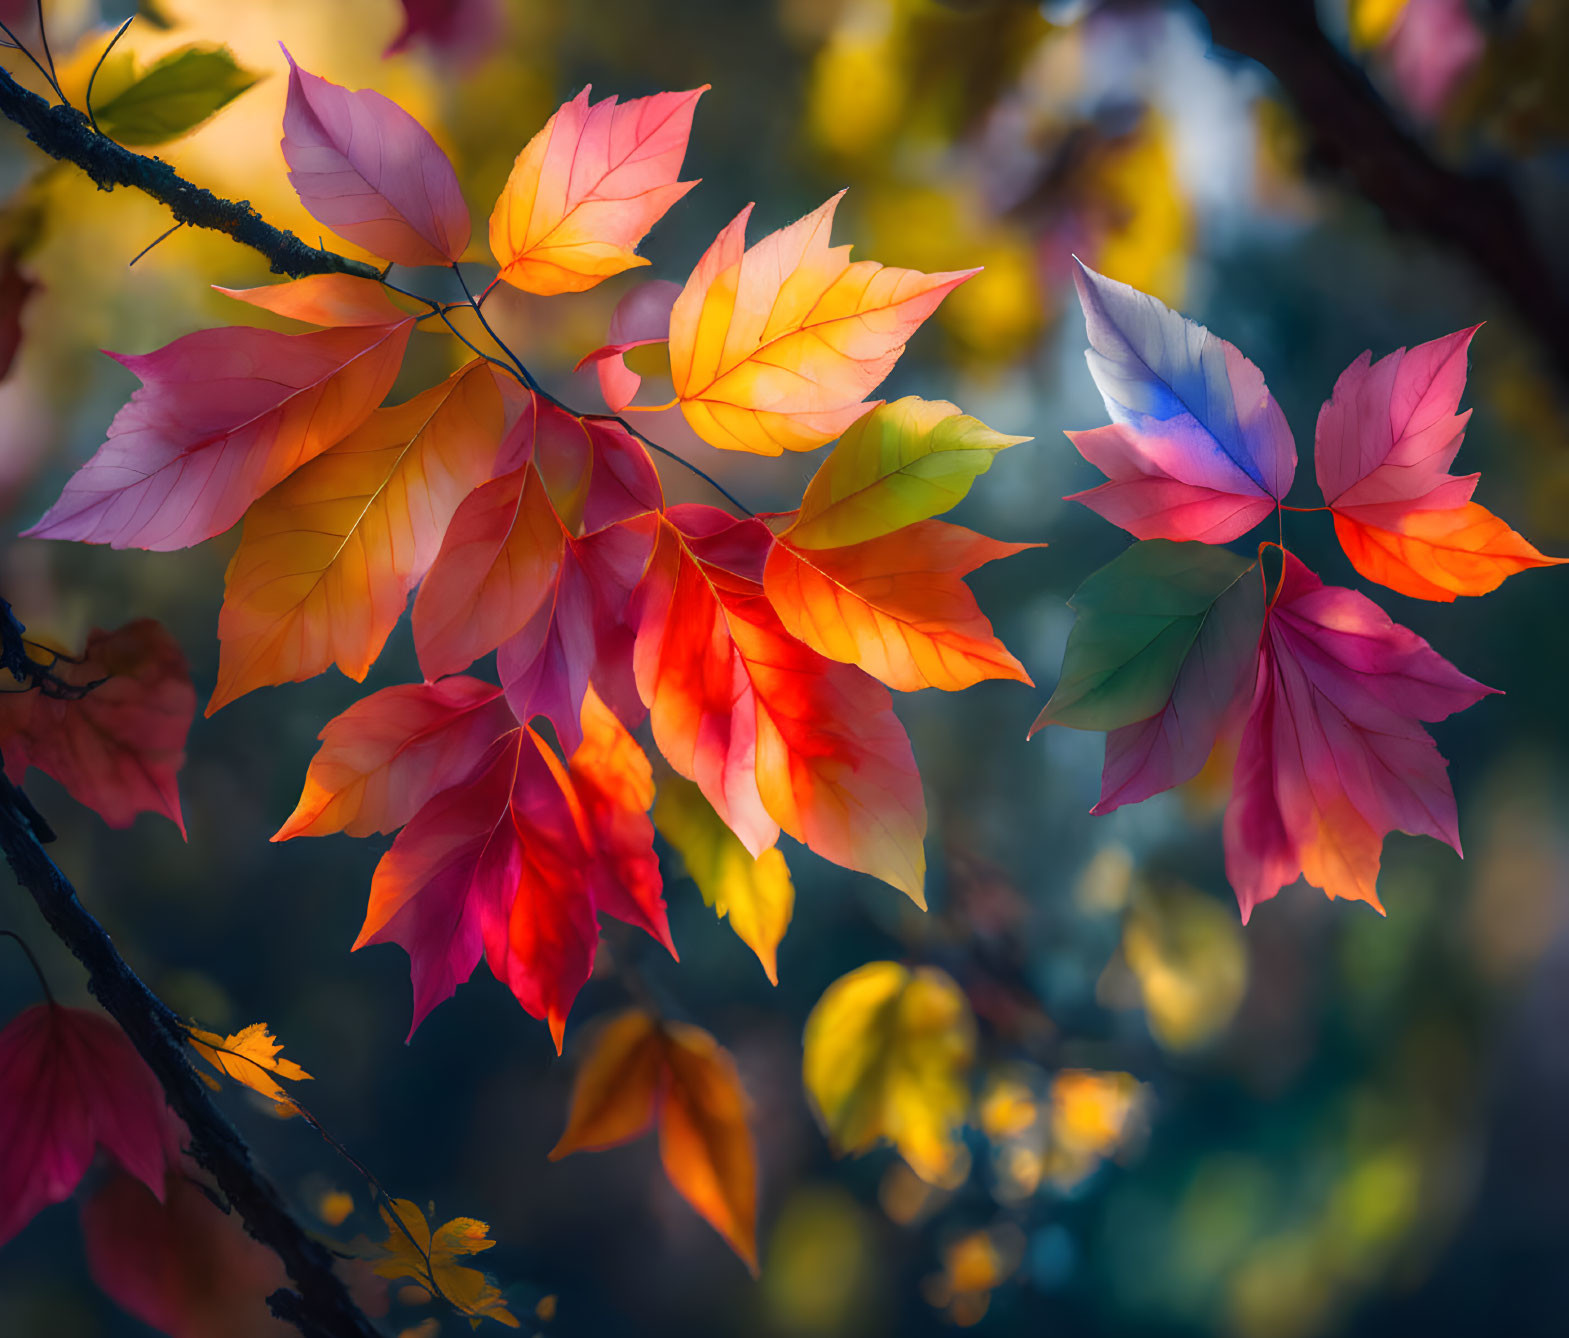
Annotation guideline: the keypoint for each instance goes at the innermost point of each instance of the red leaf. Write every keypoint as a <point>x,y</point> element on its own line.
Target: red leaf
<point>385,757</point>
<point>71,1082</point>
<point>183,1266</point>
<point>775,735</point>
<point>119,747</point>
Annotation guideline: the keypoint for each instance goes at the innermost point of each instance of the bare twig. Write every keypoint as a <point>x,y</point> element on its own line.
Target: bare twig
<point>66,134</point>
<point>1354,134</point>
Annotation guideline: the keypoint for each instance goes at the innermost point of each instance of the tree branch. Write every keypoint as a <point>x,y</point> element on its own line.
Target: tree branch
<point>65,134</point>
<point>1353,133</point>
<point>321,1306</point>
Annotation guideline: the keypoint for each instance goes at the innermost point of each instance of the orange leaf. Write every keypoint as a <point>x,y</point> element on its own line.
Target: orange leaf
<point>775,347</point>
<point>322,299</point>
<point>775,735</point>
<point>897,605</point>
<point>1438,555</point>
<point>588,187</point>
<point>617,1084</point>
<point>383,758</point>
<point>119,747</point>
<point>640,1070</point>
<point>328,557</point>
<point>251,1057</point>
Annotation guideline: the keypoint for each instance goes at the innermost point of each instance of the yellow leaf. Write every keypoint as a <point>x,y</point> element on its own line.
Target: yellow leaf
<point>776,346</point>
<point>904,462</point>
<point>251,1057</point>
<point>887,1055</point>
<point>412,1251</point>
<point>756,894</point>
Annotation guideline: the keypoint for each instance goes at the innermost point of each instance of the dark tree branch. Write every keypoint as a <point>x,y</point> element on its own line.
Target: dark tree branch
<point>66,134</point>
<point>1353,134</point>
<point>320,1306</point>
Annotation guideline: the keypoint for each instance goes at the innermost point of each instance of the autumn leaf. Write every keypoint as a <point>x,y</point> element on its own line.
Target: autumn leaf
<point>641,318</point>
<point>511,545</point>
<point>497,864</point>
<point>614,782</point>
<point>903,462</point>
<point>775,735</point>
<point>327,558</point>
<point>1333,755</point>
<point>896,606</point>
<point>331,300</point>
<point>429,1258</point>
<point>642,1071</point>
<point>117,742</point>
<point>1197,447</point>
<point>71,1082</point>
<point>756,894</point>
<point>178,1262</point>
<point>1385,441</point>
<point>221,416</point>
<point>776,346</point>
<point>887,1055</point>
<point>1161,656</point>
<point>385,757</point>
<point>588,187</point>
<point>251,1057</point>
<point>369,171</point>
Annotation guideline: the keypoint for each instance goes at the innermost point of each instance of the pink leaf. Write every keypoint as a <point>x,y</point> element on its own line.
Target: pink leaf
<point>221,416</point>
<point>641,318</point>
<point>1333,756</point>
<point>369,171</point>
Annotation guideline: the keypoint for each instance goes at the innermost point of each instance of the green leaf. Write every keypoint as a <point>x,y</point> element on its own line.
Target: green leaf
<point>1139,617</point>
<point>175,95</point>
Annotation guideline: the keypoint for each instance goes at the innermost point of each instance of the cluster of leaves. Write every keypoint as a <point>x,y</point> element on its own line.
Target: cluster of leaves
<point>1183,647</point>
<point>758,647</point>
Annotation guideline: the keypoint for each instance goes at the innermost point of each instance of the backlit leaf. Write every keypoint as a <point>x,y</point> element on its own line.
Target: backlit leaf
<point>897,606</point>
<point>173,95</point>
<point>1198,448</point>
<point>887,1055</point>
<point>429,1258</point>
<point>328,557</point>
<point>903,462</point>
<point>776,346</point>
<point>642,1071</point>
<point>1333,755</point>
<point>369,171</point>
<point>221,416</point>
<point>756,894</point>
<point>588,187</point>
<point>251,1056</point>
<point>382,759</point>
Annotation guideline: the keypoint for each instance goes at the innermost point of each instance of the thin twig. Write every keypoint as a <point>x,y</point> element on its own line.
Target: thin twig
<point>43,37</point>
<point>160,237</point>
<point>93,77</point>
<point>16,44</point>
<point>528,378</point>
<point>27,951</point>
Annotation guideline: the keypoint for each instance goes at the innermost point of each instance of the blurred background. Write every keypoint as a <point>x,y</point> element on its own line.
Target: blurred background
<point>1329,1123</point>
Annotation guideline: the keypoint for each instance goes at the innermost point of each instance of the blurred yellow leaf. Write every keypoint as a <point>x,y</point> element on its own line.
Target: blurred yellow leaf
<point>887,1055</point>
<point>1149,229</point>
<point>756,894</point>
<point>251,1057</point>
<point>334,1207</point>
<point>1093,1115</point>
<point>1187,953</point>
<point>1371,21</point>
<point>412,1251</point>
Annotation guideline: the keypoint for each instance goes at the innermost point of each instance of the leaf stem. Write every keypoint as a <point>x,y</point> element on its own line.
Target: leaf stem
<point>27,951</point>
<point>93,77</point>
